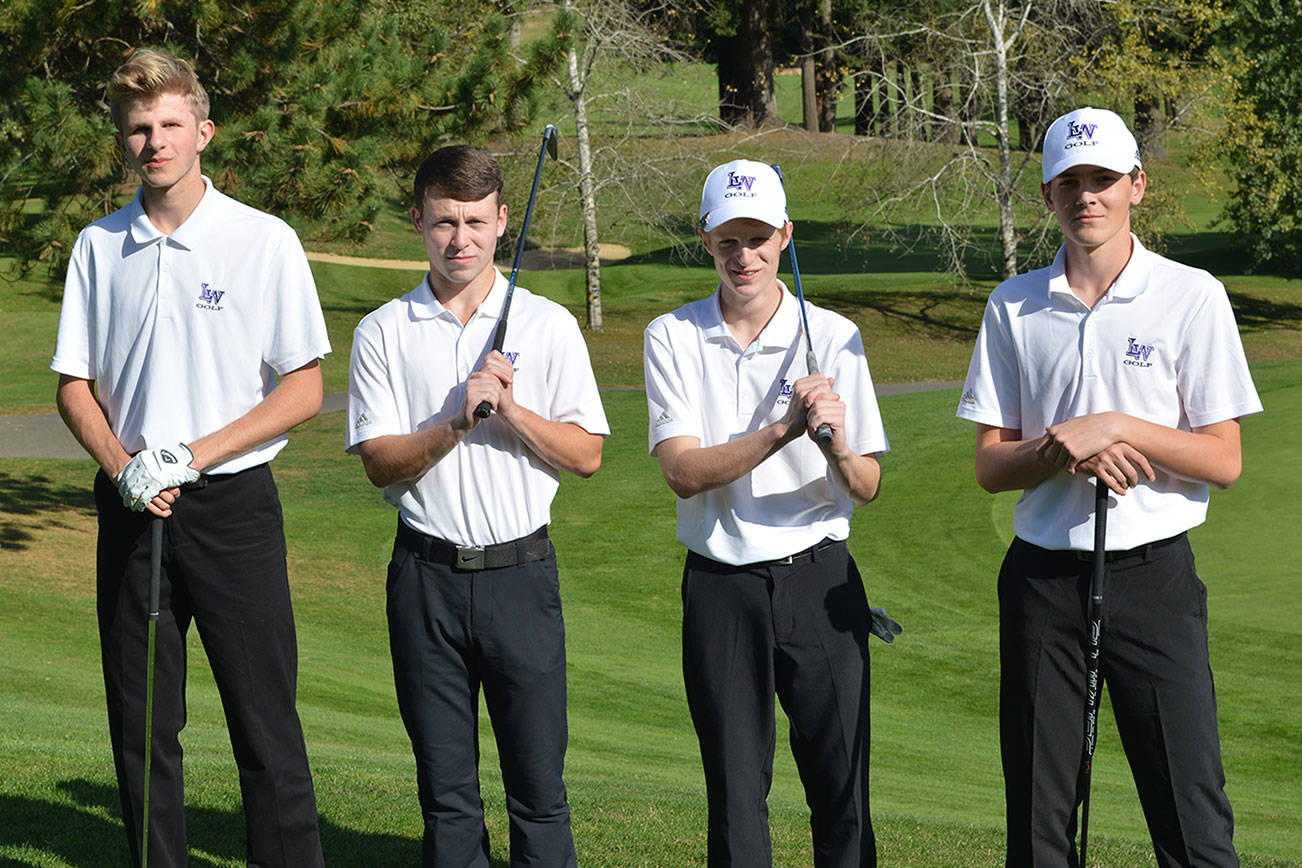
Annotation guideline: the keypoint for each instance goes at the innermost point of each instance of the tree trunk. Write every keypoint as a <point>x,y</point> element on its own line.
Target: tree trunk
<point>943,100</point>
<point>898,90</point>
<point>587,194</point>
<point>863,104</point>
<point>919,126</point>
<point>808,73</point>
<point>1149,128</point>
<point>1004,183</point>
<point>746,68</point>
<point>968,106</point>
<point>828,76</point>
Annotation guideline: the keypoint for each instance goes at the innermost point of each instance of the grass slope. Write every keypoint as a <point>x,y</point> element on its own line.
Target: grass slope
<point>928,549</point>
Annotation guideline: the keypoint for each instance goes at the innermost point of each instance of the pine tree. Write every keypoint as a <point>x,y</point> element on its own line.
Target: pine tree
<point>316,102</point>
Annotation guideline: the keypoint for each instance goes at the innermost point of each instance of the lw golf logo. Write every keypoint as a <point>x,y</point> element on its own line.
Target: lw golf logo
<point>1080,135</point>
<point>209,298</point>
<point>511,357</point>
<point>784,392</point>
<point>739,185</point>
<point>1137,354</point>
<point>740,182</point>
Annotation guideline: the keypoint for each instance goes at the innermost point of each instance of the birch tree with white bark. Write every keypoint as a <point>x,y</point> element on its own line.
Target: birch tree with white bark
<point>981,73</point>
<point>611,41</point>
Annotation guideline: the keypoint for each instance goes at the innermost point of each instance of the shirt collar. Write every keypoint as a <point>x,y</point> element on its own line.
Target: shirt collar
<point>1132,280</point>
<point>187,235</point>
<point>778,333</point>
<point>424,305</point>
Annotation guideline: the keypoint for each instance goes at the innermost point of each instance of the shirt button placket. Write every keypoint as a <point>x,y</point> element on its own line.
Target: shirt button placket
<point>164,282</point>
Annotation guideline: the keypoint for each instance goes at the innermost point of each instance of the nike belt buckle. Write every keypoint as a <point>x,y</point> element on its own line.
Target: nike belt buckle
<point>470,558</point>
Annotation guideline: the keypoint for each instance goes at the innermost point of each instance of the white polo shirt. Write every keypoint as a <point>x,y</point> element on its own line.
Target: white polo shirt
<point>700,382</point>
<point>185,333</point>
<point>1161,345</point>
<point>411,359</point>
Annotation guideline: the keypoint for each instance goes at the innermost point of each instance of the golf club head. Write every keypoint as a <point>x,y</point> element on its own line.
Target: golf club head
<point>550,135</point>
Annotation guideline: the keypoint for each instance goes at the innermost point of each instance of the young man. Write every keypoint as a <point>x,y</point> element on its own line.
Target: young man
<point>1117,364</point>
<point>473,594</point>
<point>190,339</point>
<point>772,600</point>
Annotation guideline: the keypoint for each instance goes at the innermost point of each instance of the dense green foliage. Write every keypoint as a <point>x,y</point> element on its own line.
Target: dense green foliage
<point>1265,149</point>
<point>318,103</point>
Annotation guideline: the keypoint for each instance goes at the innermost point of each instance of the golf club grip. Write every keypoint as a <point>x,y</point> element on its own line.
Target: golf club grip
<point>155,564</point>
<point>822,434</point>
<point>485,409</point>
<point>1100,538</point>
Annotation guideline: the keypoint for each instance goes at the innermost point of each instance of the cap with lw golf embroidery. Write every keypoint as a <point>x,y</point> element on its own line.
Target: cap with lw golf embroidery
<point>743,188</point>
<point>1089,137</point>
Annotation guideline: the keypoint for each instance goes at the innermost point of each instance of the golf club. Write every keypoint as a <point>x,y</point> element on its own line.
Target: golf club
<point>1093,682</point>
<point>824,433</point>
<point>548,147</point>
<point>155,579</point>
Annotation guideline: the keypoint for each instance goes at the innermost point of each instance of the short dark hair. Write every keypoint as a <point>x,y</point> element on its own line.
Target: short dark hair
<point>460,172</point>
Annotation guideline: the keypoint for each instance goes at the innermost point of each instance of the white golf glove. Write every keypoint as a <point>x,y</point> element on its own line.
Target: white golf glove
<point>151,471</point>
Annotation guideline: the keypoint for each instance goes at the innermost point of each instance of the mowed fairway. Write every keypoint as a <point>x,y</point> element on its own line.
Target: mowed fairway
<point>929,550</point>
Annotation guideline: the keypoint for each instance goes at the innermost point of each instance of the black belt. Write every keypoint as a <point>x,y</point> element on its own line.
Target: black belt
<point>799,556</point>
<point>527,549</point>
<point>205,479</point>
<point>1137,552</point>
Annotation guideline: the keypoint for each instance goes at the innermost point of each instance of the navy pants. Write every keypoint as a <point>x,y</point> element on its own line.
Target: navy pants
<point>224,569</point>
<point>453,632</point>
<point>799,631</point>
<point>1157,674</point>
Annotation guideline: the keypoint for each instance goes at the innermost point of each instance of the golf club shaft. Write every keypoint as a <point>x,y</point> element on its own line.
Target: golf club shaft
<point>1093,682</point>
<point>499,336</point>
<point>155,580</point>
<point>823,434</point>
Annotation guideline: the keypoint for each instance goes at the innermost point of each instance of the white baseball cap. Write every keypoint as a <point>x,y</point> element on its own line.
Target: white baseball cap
<point>1090,137</point>
<point>743,188</point>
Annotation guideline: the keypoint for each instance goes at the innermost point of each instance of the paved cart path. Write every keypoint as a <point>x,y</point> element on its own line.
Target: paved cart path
<point>45,435</point>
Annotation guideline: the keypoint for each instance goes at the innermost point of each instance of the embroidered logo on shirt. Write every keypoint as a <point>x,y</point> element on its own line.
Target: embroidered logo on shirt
<point>362,421</point>
<point>511,357</point>
<point>785,389</point>
<point>1137,354</point>
<point>209,298</point>
<point>663,419</point>
<point>969,397</point>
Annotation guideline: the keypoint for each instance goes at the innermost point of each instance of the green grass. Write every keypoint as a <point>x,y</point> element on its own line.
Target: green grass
<point>929,550</point>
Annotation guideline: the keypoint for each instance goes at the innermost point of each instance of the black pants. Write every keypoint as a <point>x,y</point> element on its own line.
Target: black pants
<point>452,632</point>
<point>799,630</point>
<point>224,569</point>
<point>1155,666</point>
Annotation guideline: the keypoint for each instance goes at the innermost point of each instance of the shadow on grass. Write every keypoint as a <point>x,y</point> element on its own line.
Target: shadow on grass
<point>838,247</point>
<point>1253,312</point>
<point>945,316</point>
<point>31,501</point>
<point>89,834</point>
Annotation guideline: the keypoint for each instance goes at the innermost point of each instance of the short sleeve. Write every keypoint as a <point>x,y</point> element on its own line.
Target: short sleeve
<point>849,369</point>
<point>669,403</point>
<point>573,386</point>
<point>992,391</point>
<point>372,405</point>
<point>1212,372</point>
<point>296,332</point>
<point>72,354</point>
